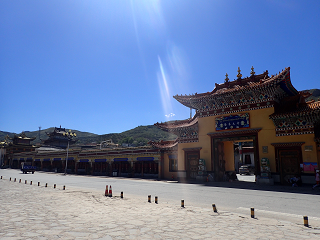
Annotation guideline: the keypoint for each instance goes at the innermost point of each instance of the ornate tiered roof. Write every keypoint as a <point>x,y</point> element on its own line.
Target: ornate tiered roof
<point>165,145</point>
<point>254,92</point>
<point>292,114</point>
<point>57,131</point>
<point>225,87</point>
<point>297,120</point>
<point>22,139</point>
<point>5,142</point>
<point>311,108</point>
<point>59,138</point>
<point>186,130</point>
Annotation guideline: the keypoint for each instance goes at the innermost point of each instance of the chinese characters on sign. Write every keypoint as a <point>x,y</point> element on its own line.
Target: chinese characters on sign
<point>232,122</point>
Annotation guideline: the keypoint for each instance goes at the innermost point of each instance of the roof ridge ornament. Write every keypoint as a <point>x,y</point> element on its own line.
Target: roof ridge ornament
<point>252,71</point>
<point>227,78</point>
<point>239,73</point>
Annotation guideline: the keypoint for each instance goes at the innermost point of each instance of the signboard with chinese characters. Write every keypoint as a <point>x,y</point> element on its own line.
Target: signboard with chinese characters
<point>232,122</point>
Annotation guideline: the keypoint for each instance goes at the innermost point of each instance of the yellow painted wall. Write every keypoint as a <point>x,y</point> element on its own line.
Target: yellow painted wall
<point>307,156</point>
<point>167,174</point>
<point>181,154</point>
<point>258,119</point>
<point>229,155</point>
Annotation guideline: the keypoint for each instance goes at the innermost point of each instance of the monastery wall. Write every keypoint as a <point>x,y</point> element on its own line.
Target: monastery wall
<point>266,136</point>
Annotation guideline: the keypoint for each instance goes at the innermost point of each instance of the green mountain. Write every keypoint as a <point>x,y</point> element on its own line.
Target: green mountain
<point>138,136</point>
<point>315,95</point>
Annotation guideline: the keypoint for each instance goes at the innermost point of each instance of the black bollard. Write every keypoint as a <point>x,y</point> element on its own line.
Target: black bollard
<point>252,212</point>
<point>305,221</point>
<point>214,208</point>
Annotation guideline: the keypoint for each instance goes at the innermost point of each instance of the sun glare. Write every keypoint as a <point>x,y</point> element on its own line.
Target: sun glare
<point>164,91</point>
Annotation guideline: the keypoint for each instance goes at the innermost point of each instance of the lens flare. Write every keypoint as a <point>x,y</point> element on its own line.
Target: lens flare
<point>164,91</point>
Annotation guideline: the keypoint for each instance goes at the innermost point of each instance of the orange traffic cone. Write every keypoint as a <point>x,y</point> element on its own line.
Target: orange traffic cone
<point>110,191</point>
<point>106,192</point>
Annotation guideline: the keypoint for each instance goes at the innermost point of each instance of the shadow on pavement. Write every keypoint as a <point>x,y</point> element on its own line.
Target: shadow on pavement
<point>303,189</point>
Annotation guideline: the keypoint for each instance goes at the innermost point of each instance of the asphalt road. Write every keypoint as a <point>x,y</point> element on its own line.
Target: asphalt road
<point>273,201</point>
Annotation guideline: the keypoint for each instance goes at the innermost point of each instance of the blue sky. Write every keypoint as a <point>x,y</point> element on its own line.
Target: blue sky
<point>109,66</point>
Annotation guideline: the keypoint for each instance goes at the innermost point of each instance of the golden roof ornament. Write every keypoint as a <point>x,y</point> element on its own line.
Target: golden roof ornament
<point>252,71</point>
<point>226,79</point>
<point>239,73</point>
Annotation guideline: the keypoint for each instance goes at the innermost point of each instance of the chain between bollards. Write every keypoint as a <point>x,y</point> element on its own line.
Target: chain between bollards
<point>214,208</point>
<point>182,203</point>
<point>252,212</point>
<point>305,221</point>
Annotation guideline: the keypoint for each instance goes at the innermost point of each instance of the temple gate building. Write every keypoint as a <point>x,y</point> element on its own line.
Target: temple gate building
<point>266,111</point>
<point>19,143</point>
<point>58,138</point>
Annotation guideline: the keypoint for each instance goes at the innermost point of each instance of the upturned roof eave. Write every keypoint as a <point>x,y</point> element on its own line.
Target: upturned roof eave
<point>187,100</point>
<point>177,124</point>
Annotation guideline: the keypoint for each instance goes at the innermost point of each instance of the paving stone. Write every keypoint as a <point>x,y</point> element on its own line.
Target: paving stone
<point>77,214</point>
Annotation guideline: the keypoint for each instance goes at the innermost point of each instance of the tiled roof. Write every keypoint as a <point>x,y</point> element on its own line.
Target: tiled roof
<point>164,144</point>
<point>306,109</point>
<point>22,136</point>
<point>230,86</point>
<point>177,124</point>
<point>253,82</point>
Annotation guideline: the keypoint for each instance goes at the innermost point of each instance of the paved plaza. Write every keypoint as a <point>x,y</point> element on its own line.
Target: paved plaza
<point>39,212</point>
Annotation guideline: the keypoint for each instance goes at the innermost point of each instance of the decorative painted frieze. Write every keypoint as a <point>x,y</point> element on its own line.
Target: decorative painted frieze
<point>232,122</point>
<point>187,134</point>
